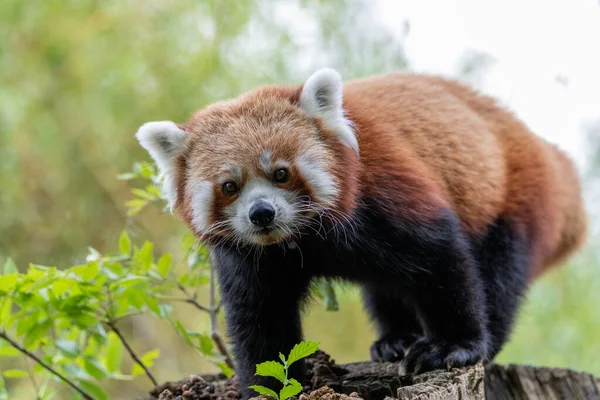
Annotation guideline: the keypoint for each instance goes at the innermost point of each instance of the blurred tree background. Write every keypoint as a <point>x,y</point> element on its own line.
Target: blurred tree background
<point>78,77</point>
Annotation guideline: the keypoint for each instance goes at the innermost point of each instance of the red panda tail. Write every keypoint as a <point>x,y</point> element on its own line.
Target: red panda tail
<point>575,223</point>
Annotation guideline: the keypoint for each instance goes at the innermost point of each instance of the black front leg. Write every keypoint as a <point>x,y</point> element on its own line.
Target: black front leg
<point>450,302</point>
<point>395,321</point>
<point>262,307</point>
<point>428,261</point>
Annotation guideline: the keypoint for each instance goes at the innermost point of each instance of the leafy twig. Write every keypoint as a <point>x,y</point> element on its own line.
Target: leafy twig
<point>213,311</point>
<point>280,371</point>
<point>191,299</point>
<point>35,358</point>
<point>132,353</point>
<point>133,314</point>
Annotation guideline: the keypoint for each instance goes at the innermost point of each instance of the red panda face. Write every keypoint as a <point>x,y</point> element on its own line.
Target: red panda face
<point>257,169</point>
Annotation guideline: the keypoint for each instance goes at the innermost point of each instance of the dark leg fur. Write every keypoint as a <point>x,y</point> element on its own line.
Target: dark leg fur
<point>505,267</point>
<point>430,266</point>
<point>396,323</point>
<point>450,305</point>
<point>262,309</point>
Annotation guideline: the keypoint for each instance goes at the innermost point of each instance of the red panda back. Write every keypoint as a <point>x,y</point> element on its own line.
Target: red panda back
<point>486,162</point>
<point>544,186</point>
<point>406,114</point>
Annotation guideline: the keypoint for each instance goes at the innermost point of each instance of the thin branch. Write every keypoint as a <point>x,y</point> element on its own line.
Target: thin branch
<point>35,358</point>
<point>214,323</point>
<point>112,324</point>
<point>131,352</point>
<point>191,299</point>
<point>199,306</point>
<point>133,314</point>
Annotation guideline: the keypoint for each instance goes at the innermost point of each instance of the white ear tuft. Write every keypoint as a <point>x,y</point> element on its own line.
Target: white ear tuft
<point>322,96</point>
<point>164,141</point>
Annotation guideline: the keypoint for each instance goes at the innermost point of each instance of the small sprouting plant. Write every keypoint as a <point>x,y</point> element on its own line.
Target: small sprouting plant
<point>279,371</point>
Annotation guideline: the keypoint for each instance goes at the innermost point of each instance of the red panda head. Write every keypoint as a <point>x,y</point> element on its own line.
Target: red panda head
<point>260,168</point>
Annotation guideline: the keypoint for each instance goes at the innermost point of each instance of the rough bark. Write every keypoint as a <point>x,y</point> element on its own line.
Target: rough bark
<point>378,381</point>
<point>523,382</point>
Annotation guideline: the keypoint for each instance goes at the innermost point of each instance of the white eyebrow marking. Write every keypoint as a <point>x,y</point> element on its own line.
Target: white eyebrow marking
<point>281,164</point>
<point>264,160</point>
<point>234,170</point>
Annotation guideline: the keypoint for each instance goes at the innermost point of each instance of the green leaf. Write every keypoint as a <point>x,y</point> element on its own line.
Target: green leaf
<point>164,264</point>
<point>126,176</point>
<point>68,348</point>
<point>147,360</point>
<point>9,352</point>
<point>184,279</point>
<point>265,391</point>
<point>36,334</point>
<point>94,367</point>
<point>228,372</point>
<point>94,390</point>
<point>153,305</point>
<point>271,368</point>
<point>329,296</point>
<point>14,373</point>
<point>301,350</point>
<point>85,320</point>
<point>129,281</point>
<point>71,370</point>
<point>206,344</point>
<point>10,267</point>
<point>154,191</point>
<point>290,390</point>
<point>143,258</point>
<point>125,243</point>
<point>85,272</point>
<point>114,353</point>
<point>145,169</point>
<point>5,311</point>
<point>62,286</point>
<point>142,194</point>
<point>184,332</point>
<point>135,206</point>
<point>8,282</point>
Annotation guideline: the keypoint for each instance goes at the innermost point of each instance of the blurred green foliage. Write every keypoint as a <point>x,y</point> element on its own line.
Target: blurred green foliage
<point>66,323</point>
<point>78,77</point>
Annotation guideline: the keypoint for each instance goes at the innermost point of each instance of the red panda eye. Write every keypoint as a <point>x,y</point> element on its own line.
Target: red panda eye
<point>230,188</point>
<point>281,175</point>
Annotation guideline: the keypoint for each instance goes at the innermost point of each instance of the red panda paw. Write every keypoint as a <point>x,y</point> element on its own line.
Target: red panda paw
<point>390,348</point>
<point>429,355</point>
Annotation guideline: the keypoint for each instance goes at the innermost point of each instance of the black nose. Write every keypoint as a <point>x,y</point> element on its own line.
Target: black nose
<point>262,214</point>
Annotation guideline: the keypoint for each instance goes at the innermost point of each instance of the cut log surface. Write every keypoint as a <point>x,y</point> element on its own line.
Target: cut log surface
<point>524,382</point>
<point>379,381</point>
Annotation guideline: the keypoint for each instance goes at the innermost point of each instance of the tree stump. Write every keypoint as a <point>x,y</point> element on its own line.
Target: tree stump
<point>379,381</point>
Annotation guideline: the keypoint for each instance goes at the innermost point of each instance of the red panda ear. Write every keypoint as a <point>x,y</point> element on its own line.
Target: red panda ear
<point>165,142</point>
<point>322,97</point>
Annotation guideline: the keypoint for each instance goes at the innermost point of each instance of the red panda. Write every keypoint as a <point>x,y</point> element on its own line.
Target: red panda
<point>440,203</point>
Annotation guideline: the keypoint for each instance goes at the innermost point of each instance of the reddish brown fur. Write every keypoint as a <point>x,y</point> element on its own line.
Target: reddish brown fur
<point>439,141</point>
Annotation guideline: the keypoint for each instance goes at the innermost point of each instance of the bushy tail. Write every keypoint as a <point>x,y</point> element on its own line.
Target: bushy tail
<point>575,224</point>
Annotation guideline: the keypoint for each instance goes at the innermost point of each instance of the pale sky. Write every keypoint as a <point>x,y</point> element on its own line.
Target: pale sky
<point>532,42</point>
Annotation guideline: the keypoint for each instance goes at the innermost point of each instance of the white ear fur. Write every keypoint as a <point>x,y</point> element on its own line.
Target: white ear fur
<point>164,141</point>
<point>322,96</point>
